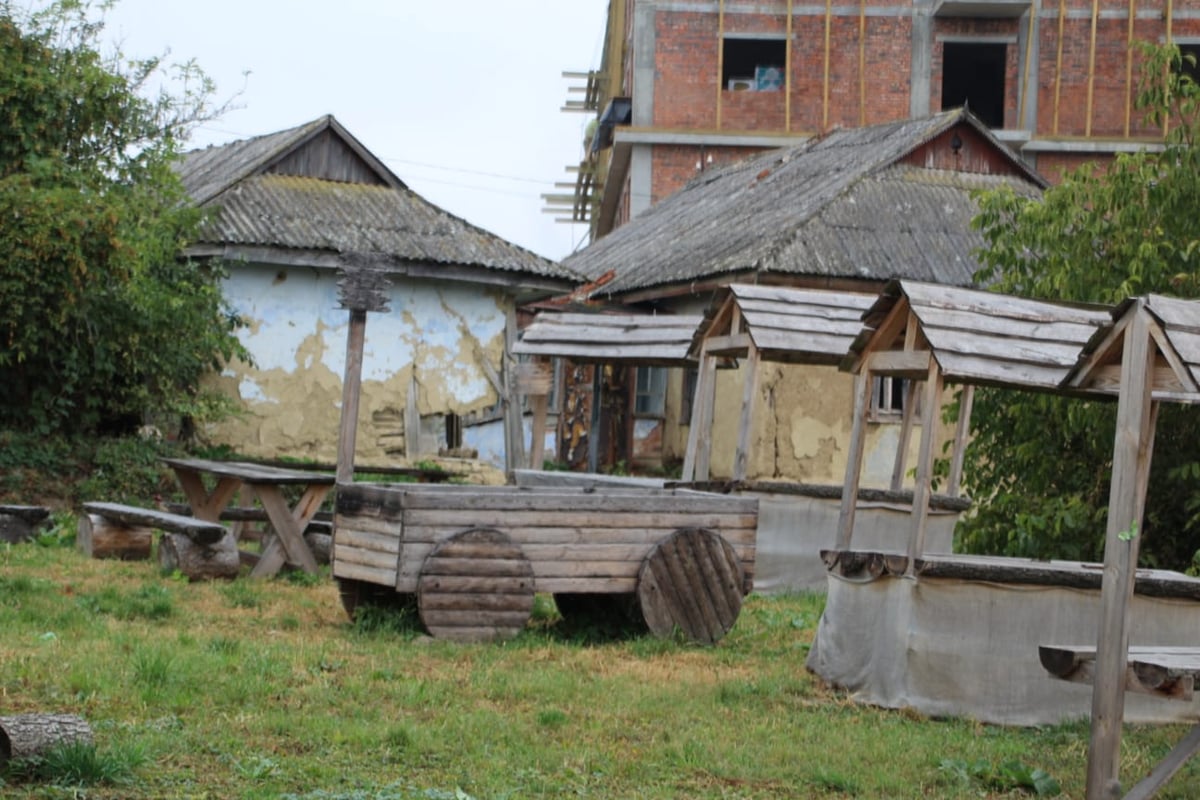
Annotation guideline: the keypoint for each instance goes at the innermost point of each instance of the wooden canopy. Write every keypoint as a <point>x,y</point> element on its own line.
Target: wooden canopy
<point>940,334</point>
<point>1148,352</point>
<point>763,323</point>
<point>636,339</point>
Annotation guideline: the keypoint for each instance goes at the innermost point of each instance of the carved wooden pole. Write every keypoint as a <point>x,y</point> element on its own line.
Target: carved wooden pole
<point>362,288</point>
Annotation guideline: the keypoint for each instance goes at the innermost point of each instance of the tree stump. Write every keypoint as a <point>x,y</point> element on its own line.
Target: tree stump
<point>691,580</point>
<point>18,523</point>
<point>30,735</point>
<point>475,586</point>
<point>197,561</point>
<point>98,537</point>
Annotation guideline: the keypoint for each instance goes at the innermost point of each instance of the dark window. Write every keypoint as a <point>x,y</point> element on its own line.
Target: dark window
<point>454,431</point>
<point>753,64</point>
<point>887,399</point>
<point>650,398</point>
<point>1190,66</point>
<point>973,76</point>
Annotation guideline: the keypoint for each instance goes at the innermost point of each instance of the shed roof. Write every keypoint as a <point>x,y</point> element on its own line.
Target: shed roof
<point>313,191</point>
<point>980,337</point>
<point>843,206</point>
<point>1174,327</point>
<point>801,326</point>
<point>627,338</point>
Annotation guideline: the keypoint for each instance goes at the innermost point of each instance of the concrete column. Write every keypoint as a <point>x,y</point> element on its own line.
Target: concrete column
<point>922,59</point>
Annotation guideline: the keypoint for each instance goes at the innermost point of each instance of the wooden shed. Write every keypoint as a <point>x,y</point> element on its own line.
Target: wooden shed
<point>953,634</point>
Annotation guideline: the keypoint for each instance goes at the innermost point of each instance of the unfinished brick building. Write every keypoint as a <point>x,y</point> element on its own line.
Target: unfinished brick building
<point>688,84</point>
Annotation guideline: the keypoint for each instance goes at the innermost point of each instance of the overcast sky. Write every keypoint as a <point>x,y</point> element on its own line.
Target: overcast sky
<point>461,100</point>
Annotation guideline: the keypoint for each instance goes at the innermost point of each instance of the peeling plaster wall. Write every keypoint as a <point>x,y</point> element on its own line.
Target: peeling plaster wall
<point>291,396</point>
<point>801,429</point>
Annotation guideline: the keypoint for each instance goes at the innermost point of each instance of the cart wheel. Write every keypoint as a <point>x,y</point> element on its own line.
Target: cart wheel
<point>475,586</point>
<point>691,580</point>
<point>357,594</point>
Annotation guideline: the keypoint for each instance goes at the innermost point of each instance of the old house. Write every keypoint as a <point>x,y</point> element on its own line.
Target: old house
<point>289,210</point>
<point>847,211</point>
<point>685,86</point>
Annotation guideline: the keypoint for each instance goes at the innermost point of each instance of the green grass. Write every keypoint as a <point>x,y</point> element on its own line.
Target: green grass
<point>266,690</point>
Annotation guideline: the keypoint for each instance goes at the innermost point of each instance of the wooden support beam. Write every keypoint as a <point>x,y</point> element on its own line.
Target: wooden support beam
<point>351,391</point>
<point>594,428</point>
<point>1131,460</point>
<point>746,423</point>
<point>961,431</point>
<point>854,459</point>
<point>930,415</point>
<point>906,424</point>
<point>699,432</point>
<point>911,364</point>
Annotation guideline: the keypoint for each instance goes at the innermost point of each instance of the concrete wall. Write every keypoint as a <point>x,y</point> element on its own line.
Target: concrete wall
<point>436,335</point>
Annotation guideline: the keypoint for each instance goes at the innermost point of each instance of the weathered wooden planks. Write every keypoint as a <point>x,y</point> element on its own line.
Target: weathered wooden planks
<point>475,586</point>
<point>691,581</point>
<point>198,530</point>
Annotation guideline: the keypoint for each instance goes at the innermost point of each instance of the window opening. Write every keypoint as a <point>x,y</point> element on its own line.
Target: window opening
<point>454,431</point>
<point>1190,66</point>
<point>650,394</point>
<point>973,76</point>
<point>887,397</point>
<point>756,65</point>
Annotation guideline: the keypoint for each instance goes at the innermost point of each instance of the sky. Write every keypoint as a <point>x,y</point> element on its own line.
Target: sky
<point>461,100</point>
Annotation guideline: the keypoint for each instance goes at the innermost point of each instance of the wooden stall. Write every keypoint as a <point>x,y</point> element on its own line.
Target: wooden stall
<point>627,340</point>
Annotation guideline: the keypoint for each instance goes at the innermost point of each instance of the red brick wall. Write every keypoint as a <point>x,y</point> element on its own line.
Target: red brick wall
<point>675,165</point>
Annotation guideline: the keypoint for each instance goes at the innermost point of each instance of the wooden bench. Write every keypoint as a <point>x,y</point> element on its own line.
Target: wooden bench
<point>18,523</point>
<point>1168,672</point>
<point>197,548</point>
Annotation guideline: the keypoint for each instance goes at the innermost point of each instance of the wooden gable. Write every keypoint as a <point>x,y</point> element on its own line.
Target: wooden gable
<point>328,155</point>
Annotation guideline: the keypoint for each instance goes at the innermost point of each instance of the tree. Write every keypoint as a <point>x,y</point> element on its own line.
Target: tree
<point>1039,465</point>
<point>100,322</point>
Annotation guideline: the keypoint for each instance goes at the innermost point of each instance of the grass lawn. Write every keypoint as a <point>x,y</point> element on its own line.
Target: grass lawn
<point>252,689</point>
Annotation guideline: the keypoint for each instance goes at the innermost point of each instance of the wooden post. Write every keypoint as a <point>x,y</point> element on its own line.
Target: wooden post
<point>1131,462</point>
<point>746,423</point>
<point>412,419</point>
<point>854,459</point>
<point>700,427</point>
<point>922,487</point>
<point>351,386</point>
<point>961,431</point>
<point>537,443</point>
<point>514,416</point>
<point>594,430</point>
<point>910,404</point>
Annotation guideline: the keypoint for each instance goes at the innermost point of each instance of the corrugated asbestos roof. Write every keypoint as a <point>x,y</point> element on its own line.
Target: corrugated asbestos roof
<point>839,207</point>
<point>262,209</point>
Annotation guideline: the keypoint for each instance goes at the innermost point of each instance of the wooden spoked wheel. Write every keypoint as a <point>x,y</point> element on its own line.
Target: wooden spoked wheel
<point>691,581</point>
<point>475,586</point>
<point>356,594</point>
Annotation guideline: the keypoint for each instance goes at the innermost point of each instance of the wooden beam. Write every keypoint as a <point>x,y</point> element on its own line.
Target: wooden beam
<point>931,414</point>
<point>704,446</point>
<point>961,431</point>
<point>906,424</point>
<point>702,401</point>
<point>594,429</point>
<point>351,391</point>
<point>854,459</point>
<point>735,344</point>
<point>1179,755</point>
<point>1131,456</point>
<point>900,363</point>
<point>746,422</point>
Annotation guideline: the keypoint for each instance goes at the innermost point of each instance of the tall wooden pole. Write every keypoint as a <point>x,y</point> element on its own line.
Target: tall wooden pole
<point>351,385</point>
<point>1131,460</point>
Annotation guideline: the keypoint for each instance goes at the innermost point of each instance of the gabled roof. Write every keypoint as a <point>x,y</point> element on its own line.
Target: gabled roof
<point>977,337</point>
<point>611,338</point>
<point>1174,330</point>
<point>314,194</point>
<point>800,326</point>
<point>846,205</point>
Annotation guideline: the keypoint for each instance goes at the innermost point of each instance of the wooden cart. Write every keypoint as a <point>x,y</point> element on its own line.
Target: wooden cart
<point>472,557</point>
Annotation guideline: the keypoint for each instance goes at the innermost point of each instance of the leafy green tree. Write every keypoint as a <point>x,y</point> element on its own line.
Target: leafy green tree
<point>1039,465</point>
<point>100,322</point>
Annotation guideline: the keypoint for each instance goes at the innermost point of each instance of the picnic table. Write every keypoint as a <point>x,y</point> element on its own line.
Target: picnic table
<point>265,483</point>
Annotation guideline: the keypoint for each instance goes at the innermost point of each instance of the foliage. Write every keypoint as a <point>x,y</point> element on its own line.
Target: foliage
<point>1039,466</point>
<point>100,322</point>
<point>1004,776</point>
<point>80,764</point>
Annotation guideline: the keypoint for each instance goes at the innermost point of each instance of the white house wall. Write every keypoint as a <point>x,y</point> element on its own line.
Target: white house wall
<point>435,333</point>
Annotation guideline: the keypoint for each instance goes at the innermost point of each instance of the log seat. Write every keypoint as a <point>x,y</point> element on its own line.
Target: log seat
<point>1168,672</point>
<point>199,531</point>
